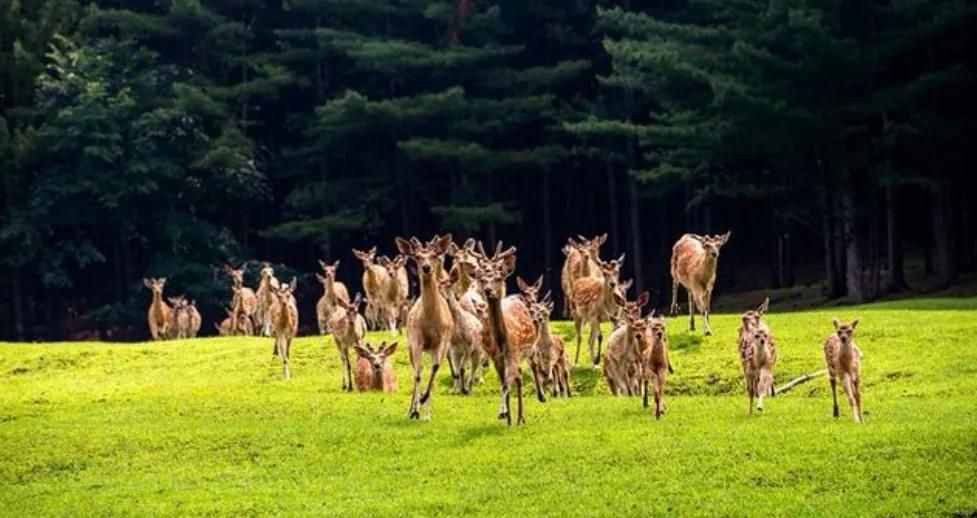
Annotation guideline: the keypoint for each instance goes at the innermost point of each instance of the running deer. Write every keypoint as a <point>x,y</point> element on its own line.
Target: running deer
<point>589,304</point>
<point>373,369</point>
<point>844,361</point>
<point>694,262</point>
<point>549,358</point>
<point>655,364</point>
<point>430,325</point>
<point>266,284</point>
<point>625,345</point>
<point>395,291</point>
<point>159,312</point>
<point>758,356</point>
<point>509,329</point>
<point>284,321</point>
<point>348,330</point>
<point>244,302</point>
<point>374,280</point>
<point>332,291</point>
<point>465,351</point>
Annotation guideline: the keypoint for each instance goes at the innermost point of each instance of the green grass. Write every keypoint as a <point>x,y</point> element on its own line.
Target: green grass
<point>209,427</point>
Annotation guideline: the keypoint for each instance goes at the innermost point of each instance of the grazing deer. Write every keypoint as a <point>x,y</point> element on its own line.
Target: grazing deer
<point>244,302</point>
<point>395,291</point>
<point>267,283</point>
<point>348,330</point>
<point>509,333</point>
<point>430,325</point>
<point>374,280</point>
<point>284,321</point>
<point>758,355</point>
<point>548,358</point>
<point>466,341</point>
<point>655,364</point>
<point>589,304</point>
<point>373,369</point>
<point>844,361</point>
<point>332,291</point>
<point>158,315</point>
<point>694,262</point>
<point>625,344</point>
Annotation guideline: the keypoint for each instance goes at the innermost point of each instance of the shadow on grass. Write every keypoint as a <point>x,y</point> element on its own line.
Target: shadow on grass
<point>685,342</point>
<point>584,380</point>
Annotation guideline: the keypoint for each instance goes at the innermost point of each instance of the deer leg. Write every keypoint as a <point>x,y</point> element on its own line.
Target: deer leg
<point>658,396</point>
<point>644,394</point>
<point>434,370</point>
<point>451,365</point>
<point>577,324</point>
<point>600,343</point>
<point>286,345</point>
<point>418,364</point>
<point>834,395</point>
<point>594,331</point>
<point>538,382</point>
<point>691,312</point>
<point>850,392</point>
<point>520,419</point>
<point>674,308</point>
<point>706,302</point>
<point>858,397</point>
<point>764,389</point>
<point>349,370</point>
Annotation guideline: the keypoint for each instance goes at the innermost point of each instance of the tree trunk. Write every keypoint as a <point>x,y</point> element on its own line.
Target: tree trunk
<point>547,229</point>
<point>897,274</point>
<point>636,258</point>
<point>853,253</point>
<point>615,230</point>
<point>875,230</point>
<point>832,246</point>
<point>17,297</point>
<point>944,258</point>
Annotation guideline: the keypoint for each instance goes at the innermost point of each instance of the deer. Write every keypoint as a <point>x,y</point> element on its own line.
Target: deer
<point>466,342</point>
<point>195,320</point>
<point>225,328</point>
<point>332,292</point>
<point>625,344</point>
<point>266,283</point>
<point>284,321</point>
<point>655,365</point>
<point>159,314</point>
<point>179,318</point>
<point>395,290</point>
<point>582,260</point>
<point>373,369</point>
<point>244,302</point>
<point>374,280</point>
<point>843,360</point>
<point>589,304</point>
<point>693,265</point>
<point>548,357</point>
<point>758,356</point>
<point>430,325</point>
<point>242,323</point>
<point>348,330</point>
<point>510,333</point>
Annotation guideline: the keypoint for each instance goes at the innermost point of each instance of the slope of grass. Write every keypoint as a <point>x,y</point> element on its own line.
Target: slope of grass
<point>209,427</point>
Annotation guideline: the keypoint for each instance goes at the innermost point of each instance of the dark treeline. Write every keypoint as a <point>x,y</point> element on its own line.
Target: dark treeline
<point>163,138</point>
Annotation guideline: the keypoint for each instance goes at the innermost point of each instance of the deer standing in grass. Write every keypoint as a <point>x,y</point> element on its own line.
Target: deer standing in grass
<point>625,345</point>
<point>284,321</point>
<point>655,364</point>
<point>549,357</point>
<point>395,291</point>
<point>159,313</point>
<point>244,302</point>
<point>374,281</point>
<point>694,262</point>
<point>430,325</point>
<point>582,260</point>
<point>510,333</point>
<point>465,351</point>
<point>589,304</point>
<point>179,318</point>
<point>332,292</point>
<point>264,297</point>
<point>758,355</point>
<point>373,369</point>
<point>844,361</point>
<point>348,331</point>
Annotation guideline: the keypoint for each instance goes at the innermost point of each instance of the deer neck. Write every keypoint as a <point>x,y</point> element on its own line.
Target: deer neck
<point>544,332</point>
<point>430,297</point>
<point>496,323</point>
<point>158,305</point>
<point>845,349</point>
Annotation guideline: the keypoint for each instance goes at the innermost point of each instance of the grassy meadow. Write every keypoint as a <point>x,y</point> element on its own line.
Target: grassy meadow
<point>208,427</point>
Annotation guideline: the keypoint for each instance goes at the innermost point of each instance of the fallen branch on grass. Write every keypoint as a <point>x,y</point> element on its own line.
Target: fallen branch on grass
<point>797,381</point>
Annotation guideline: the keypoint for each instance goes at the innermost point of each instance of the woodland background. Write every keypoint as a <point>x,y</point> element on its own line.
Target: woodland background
<point>165,137</point>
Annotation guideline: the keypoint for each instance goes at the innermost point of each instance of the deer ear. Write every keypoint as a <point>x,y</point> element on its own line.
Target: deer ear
<point>443,243</point>
<point>521,284</point>
<point>643,298</point>
<point>539,283</point>
<point>362,352</point>
<point>322,264</point>
<point>620,260</point>
<point>602,239</point>
<point>762,310</point>
<point>721,240</point>
<point>405,247</point>
<point>389,351</point>
<point>836,322</point>
<point>453,248</point>
<point>372,252</point>
<point>292,285</point>
<point>509,264</point>
<point>162,281</point>
<point>854,324</point>
<point>453,276</point>
<point>147,283</point>
<point>619,300</point>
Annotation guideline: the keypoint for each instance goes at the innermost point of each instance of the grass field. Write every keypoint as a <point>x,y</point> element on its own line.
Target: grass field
<point>209,427</point>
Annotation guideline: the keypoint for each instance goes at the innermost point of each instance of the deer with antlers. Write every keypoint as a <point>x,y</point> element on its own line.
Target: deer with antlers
<point>332,293</point>
<point>348,331</point>
<point>244,302</point>
<point>590,296</point>
<point>694,262</point>
<point>430,325</point>
<point>374,281</point>
<point>284,321</point>
<point>159,314</point>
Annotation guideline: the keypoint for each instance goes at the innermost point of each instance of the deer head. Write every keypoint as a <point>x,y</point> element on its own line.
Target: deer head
<point>284,294</point>
<point>155,285</point>
<point>377,357</point>
<point>752,318</point>
<point>530,292</point>
<point>657,326</point>
<point>236,274</point>
<point>493,271</point>
<point>427,257</point>
<point>366,257</point>
<point>328,271</point>
<point>844,330</point>
<point>632,309</point>
<point>267,271</point>
<point>713,244</point>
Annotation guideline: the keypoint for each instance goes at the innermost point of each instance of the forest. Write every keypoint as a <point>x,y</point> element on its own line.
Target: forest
<point>166,138</point>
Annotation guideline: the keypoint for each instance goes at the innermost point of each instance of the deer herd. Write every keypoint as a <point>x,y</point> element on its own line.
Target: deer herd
<point>465,314</point>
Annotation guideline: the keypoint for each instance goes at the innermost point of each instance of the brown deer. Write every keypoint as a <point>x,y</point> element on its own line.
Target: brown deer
<point>395,291</point>
<point>332,291</point>
<point>179,318</point>
<point>625,345</point>
<point>264,297</point>
<point>655,364</point>
<point>549,358</point>
<point>225,328</point>
<point>758,356</point>
<point>582,260</point>
<point>589,304</point>
<point>694,262</point>
<point>509,333</point>
<point>844,361</point>
<point>373,369</point>
<point>284,321</point>
<point>430,325</point>
<point>195,320</point>
<point>242,323</point>
<point>374,280</point>
<point>159,313</point>
<point>466,342</point>
<point>464,261</point>
<point>244,302</point>
<point>348,330</point>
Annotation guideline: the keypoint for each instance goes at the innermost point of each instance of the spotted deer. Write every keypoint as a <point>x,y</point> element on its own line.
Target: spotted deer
<point>693,265</point>
<point>549,357</point>
<point>625,345</point>
<point>284,321</point>
<point>373,369</point>
<point>348,330</point>
<point>159,314</point>
<point>582,260</point>
<point>430,325</point>
<point>266,284</point>
<point>589,305</point>
<point>844,362</point>
<point>655,364</point>
<point>758,356</point>
<point>374,280</point>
